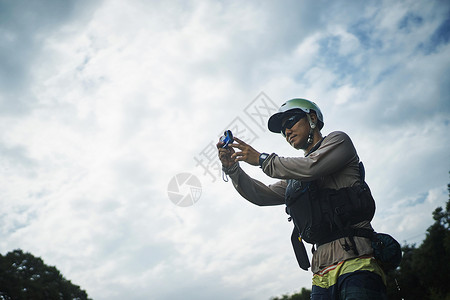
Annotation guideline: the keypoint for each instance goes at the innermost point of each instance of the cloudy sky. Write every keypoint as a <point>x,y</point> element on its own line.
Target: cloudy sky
<point>103,104</point>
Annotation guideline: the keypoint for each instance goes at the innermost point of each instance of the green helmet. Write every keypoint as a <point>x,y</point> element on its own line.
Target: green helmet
<point>291,106</point>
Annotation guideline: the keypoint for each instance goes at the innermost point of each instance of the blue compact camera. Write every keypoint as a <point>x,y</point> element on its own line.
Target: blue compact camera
<point>227,138</point>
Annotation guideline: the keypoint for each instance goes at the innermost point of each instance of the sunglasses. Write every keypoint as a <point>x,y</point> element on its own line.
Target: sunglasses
<point>291,122</point>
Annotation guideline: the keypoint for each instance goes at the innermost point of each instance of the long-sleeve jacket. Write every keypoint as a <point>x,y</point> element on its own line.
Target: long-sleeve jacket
<point>333,165</point>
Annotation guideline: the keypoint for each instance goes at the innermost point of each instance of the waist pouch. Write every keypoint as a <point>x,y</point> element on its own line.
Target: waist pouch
<point>387,251</point>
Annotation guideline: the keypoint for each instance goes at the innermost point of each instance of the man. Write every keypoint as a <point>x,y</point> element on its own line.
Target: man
<point>325,195</point>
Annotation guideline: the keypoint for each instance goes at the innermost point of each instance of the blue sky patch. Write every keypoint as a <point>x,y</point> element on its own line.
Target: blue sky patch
<point>331,57</point>
<point>440,36</point>
<point>363,30</point>
<point>409,22</point>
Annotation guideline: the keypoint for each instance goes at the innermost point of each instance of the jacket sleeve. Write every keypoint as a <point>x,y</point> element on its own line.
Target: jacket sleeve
<point>335,153</point>
<point>255,191</point>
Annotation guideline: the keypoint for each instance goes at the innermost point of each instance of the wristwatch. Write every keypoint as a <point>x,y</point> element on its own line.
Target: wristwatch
<point>262,158</point>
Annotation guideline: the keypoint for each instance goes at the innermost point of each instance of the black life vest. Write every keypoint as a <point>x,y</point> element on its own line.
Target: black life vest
<point>323,215</point>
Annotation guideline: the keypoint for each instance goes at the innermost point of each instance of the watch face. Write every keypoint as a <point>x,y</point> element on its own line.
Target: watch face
<point>262,158</point>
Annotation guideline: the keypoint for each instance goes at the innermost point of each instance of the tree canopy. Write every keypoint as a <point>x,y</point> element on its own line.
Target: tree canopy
<point>424,271</point>
<point>23,277</point>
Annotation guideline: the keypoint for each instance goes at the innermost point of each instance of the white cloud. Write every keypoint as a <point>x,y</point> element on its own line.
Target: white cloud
<point>121,96</point>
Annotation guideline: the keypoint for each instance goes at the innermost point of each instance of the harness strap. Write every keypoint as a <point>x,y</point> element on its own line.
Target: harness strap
<point>350,233</point>
<point>316,146</point>
<point>300,250</point>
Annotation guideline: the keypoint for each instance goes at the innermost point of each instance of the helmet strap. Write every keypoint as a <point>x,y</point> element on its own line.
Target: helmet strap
<point>312,126</point>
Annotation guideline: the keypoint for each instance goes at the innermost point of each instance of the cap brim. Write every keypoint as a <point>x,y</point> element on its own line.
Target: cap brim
<point>276,120</point>
<point>274,123</point>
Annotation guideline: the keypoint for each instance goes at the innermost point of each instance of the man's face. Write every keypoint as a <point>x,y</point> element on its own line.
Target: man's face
<point>296,130</point>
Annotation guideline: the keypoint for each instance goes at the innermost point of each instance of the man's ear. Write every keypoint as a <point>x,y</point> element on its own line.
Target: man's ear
<point>314,120</point>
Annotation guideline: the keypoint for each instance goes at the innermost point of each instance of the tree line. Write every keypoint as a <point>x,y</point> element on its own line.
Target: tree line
<point>422,274</point>
<point>24,277</point>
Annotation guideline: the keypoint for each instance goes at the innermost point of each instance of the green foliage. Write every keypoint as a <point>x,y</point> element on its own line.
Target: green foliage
<point>23,276</point>
<point>304,294</point>
<point>424,271</point>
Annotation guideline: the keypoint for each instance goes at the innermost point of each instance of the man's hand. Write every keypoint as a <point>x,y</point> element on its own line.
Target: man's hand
<point>225,155</point>
<point>228,156</point>
<point>247,153</point>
